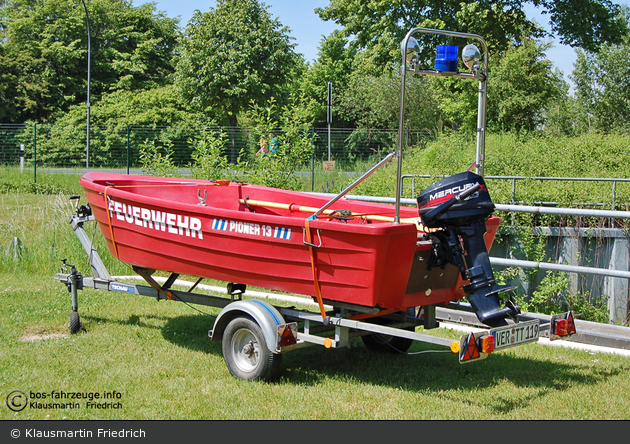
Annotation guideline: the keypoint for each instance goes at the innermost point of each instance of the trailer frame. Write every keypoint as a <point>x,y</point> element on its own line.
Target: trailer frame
<point>267,330</point>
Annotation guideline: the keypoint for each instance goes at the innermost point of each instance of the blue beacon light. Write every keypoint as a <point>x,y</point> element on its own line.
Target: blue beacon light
<point>446,58</point>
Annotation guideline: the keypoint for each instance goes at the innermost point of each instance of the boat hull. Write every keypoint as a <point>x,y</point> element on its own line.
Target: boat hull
<point>209,229</point>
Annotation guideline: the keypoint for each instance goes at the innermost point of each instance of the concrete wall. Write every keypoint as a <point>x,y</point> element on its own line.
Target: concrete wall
<point>601,248</point>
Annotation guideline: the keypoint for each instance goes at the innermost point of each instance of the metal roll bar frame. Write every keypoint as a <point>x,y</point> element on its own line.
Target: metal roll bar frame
<point>481,75</point>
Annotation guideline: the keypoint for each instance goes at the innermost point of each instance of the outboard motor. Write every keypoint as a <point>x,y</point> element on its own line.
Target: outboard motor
<point>458,206</point>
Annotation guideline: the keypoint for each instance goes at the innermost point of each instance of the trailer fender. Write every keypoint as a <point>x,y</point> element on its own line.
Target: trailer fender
<point>263,313</point>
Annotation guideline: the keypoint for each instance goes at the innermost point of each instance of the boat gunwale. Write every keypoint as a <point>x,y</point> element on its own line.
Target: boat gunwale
<point>210,211</point>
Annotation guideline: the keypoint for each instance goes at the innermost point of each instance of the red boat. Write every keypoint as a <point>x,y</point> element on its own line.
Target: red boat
<point>355,252</point>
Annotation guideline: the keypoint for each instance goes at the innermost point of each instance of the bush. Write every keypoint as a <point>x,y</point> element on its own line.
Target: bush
<point>535,155</point>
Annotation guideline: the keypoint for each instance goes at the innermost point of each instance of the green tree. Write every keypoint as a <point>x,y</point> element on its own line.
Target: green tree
<point>209,160</point>
<point>9,74</point>
<point>457,101</point>
<point>380,25</point>
<point>374,102</point>
<point>522,87</point>
<point>231,55</point>
<point>149,107</point>
<point>564,115</point>
<point>335,63</point>
<point>44,52</point>
<point>602,80</point>
<point>155,114</point>
<point>362,98</point>
<point>292,142</point>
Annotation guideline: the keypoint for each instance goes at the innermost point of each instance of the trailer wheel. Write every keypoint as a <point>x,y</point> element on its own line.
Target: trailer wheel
<point>246,353</point>
<point>387,344</point>
<point>74,325</point>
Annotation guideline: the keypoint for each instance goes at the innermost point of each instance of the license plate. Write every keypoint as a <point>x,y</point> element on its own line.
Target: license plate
<point>516,334</point>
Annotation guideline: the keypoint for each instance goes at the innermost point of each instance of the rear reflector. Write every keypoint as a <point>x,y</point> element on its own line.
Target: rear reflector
<point>287,334</point>
<point>469,350</point>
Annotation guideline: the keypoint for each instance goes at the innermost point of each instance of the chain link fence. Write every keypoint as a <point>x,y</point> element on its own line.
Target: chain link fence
<point>119,148</point>
<point>11,140</point>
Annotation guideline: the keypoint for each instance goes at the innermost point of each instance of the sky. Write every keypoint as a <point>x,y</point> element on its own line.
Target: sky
<point>308,29</point>
<point>299,15</point>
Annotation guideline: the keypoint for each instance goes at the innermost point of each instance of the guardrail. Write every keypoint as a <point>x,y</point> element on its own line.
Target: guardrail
<point>541,210</point>
<point>514,180</point>
<point>546,266</point>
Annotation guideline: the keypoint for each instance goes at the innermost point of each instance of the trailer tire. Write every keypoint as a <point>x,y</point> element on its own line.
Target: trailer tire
<point>387,344</point>
<point>246,353</point>
<point>74,324</point>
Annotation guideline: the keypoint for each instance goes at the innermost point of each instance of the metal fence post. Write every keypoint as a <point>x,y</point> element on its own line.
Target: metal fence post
<point>616,290</point>
<point>35,152</point>
<point>614,202</point>
<point>127,149</point>
<point>513,191</point>
<point>313,160</point>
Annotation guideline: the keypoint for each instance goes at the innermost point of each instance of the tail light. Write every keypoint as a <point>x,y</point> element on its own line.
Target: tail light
<point>487,344</point>
<point>562,325</point>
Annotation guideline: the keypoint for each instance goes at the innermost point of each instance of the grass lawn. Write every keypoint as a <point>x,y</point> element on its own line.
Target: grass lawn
<point>158,362</point>
<point>155,361</point>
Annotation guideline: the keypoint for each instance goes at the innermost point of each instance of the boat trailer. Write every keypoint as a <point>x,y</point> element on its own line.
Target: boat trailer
<point>255,333</point>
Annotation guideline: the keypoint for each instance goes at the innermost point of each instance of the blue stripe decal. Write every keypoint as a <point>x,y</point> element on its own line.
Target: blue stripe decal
<point>219,224</point>
<point>282,233</point>
<point>270,312</point>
